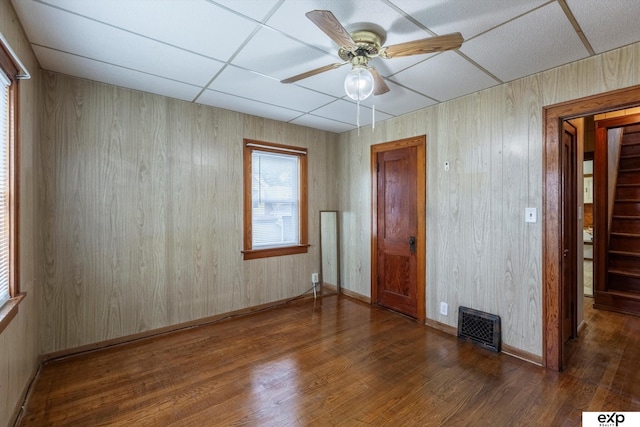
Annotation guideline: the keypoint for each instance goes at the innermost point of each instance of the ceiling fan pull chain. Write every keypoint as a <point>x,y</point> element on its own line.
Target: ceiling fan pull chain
<point>373,117</point>
<point>358,116</point>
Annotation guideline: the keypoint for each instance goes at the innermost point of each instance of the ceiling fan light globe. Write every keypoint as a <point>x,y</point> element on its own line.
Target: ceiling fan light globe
<point>359,84</point>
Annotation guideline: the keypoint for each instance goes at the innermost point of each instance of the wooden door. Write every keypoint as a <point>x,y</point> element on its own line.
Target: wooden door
<point>569,226</point>
<point>397,230</point>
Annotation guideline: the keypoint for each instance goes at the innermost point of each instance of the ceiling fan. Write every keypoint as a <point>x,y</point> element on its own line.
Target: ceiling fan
<point>360,46</point>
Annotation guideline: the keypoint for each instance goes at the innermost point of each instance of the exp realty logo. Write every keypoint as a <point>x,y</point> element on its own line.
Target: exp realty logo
<point>610,419</point>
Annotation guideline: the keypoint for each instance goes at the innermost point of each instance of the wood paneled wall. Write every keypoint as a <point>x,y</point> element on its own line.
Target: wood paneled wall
<point>142,208</point>
<point>480,252</point>
<point>140,196</point>
<point>19,341</point>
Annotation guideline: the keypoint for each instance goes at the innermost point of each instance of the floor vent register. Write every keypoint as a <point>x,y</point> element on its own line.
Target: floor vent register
<point>480,327</point>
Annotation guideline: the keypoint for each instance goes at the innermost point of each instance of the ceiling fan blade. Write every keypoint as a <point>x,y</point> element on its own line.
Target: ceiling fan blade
<point>422,46</point>
<point>379,85</point>
<point>313,72</point>
<point>327,22</point>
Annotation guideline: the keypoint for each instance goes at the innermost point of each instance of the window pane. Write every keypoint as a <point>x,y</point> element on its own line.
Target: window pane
<point>274,195</point>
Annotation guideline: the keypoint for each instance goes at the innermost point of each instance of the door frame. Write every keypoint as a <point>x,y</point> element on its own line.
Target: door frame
<point>571,226</point>
<point>420,142</point>
<point>552,233</point>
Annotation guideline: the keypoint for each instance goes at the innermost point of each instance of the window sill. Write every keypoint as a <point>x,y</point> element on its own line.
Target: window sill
<point>271,252</point>
<point>9,310</point>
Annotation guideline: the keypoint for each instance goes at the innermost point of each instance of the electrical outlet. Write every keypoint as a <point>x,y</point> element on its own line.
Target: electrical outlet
<point>444,308</point>
<point>314,278</point>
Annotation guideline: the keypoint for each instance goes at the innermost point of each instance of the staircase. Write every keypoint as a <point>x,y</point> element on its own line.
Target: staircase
<point>623,273</point>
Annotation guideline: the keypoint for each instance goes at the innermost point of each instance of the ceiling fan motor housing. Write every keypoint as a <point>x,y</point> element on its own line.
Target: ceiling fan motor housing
<point>367,46</point>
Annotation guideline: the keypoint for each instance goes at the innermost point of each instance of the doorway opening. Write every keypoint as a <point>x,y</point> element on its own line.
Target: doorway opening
<point>554,234</point>
<point>603,171</point>
<point>617,215</point>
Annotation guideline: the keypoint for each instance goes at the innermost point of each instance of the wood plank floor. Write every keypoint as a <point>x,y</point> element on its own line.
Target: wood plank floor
<point>335,362</point>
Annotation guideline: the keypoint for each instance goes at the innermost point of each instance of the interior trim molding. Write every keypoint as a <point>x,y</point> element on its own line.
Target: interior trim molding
<point>18,410</point>
<point>448,329</point>
<point>356,296</point>
<point>521,354</point>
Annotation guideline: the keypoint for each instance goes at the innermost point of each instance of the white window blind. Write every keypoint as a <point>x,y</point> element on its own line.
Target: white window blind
<point>275,199</point>
<point>4,188</point>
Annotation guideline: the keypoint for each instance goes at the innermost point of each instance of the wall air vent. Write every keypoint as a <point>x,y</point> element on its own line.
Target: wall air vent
<point>480,327</point>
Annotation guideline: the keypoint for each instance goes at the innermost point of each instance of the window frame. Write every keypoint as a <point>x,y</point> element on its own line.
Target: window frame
<point>11,68</point>
<point>249,146</point>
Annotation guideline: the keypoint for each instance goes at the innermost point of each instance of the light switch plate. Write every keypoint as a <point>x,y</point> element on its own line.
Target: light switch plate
<point>530,215</point>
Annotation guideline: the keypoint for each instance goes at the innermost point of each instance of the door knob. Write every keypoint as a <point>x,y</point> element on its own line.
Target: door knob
<point>412,244</point>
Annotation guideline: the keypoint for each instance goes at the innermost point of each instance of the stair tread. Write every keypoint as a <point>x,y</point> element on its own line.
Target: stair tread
<point>625,273</point>
<point>629,184</point>
<point>619,234</point>
<point>625,253</point>
<point>625,294</point>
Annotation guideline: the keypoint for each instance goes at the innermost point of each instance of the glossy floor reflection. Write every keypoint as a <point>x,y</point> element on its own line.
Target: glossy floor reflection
<point>336,362</point>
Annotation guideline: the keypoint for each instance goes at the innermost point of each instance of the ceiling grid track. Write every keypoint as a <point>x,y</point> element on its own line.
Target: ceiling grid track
<point>565,8</point>
<point>236,55</point>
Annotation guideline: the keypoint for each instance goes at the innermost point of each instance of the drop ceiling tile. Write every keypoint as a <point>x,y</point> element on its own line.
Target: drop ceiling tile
<point>201,27</point>
<point>347,112</point>
<point>274,54</point>
<point>316,122</point>
<point>538,41</point>
<point>92,70</point>
<point>254,9</point>
<point>246,106</point>
<point>390,67</point>
<point>445,76</point>
<point>239,82</point>
<point>52,28</point>
<point>464,16</point>
<point>399,100</point>
<point>615,24</point>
